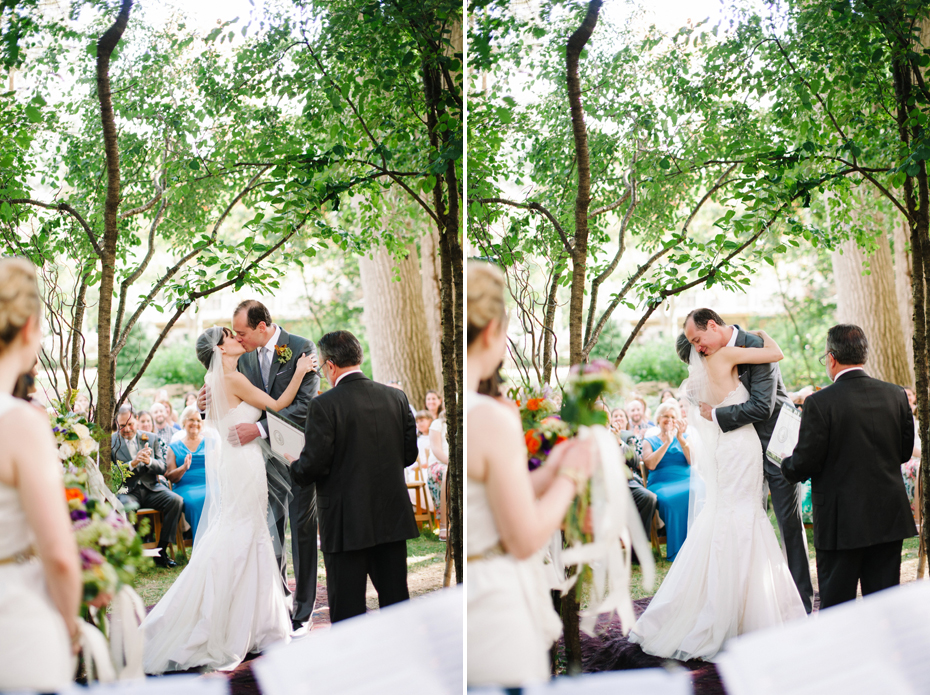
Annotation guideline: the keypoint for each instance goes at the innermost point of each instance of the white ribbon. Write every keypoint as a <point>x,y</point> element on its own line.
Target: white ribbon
<point>126,614</point>
<point>617,532</point>
<point>96,654</point>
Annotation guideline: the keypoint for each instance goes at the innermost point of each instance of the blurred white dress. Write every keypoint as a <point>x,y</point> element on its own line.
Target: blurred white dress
<point>34,645</point>
<point>229,600</point>
<point>511,621</point>
<point>730,576</point>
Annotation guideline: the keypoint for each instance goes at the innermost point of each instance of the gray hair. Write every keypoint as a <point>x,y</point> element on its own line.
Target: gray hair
<point>666,406</point>
<point>188,411</point>
<point>848,344</point>
<point>341,348</point>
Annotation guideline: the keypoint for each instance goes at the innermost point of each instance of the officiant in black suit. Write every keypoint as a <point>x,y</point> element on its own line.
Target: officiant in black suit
<point>271,355</point>
<point>855,434</point>
<point>708,332</point>
<point>360,435</point>
<point>143,452</point>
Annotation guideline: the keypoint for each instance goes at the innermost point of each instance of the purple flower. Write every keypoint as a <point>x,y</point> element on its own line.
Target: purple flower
<point>90,557</point>
<point>78,514</point>
<point>535,463</point>
<point>83,523</point>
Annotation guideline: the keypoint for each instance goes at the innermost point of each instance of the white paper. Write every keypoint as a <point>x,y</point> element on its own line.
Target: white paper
<point>414,646</point>
<point>170,685</point>
<point>876,645</point>
<point>284,438</point>
<point>644,681</point>
<point>785,435</point>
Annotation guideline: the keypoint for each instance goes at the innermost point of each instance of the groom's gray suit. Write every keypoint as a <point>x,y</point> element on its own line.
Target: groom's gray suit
<point>766,395</point>
<point>302,511</point>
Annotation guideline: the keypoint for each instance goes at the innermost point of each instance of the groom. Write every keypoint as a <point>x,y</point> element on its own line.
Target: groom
<point>707,332</point>
<point>271,355</point>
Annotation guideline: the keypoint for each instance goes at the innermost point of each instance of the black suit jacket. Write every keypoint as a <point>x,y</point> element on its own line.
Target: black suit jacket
<point>766,394</point>
<point>143,475</point>
<point>281,374</point>
<point>360,436</point>
<point>855,434</point>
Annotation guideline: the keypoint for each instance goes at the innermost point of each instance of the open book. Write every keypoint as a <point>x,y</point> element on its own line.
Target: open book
<point>785,435</point>
<point>284,435</point>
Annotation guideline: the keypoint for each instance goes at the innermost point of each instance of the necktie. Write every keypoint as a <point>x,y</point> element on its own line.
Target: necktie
<point>265,361</point>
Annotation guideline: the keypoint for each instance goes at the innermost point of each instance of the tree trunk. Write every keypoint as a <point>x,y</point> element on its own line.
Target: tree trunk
<point>870,302</point>
<point>430,277</point>
<point>903,270</point>
<point>395,322</point>
<point>105,381</point>
<point>576,44</point>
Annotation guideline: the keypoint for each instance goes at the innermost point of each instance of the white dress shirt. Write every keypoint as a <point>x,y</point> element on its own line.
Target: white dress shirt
<point>851,369</point>
<point>345,374</point>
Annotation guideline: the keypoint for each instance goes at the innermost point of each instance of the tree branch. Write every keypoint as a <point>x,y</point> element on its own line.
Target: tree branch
<point>60,207</point>
<point>535,207</point>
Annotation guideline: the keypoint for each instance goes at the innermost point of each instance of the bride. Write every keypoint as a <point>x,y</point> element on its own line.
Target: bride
<point>229,600</point>
<point>730,576</point>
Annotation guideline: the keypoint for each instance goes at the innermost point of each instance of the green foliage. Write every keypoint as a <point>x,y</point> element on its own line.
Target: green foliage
<point>133,354</point>
<point>176,363</point>
<point>655,360</point>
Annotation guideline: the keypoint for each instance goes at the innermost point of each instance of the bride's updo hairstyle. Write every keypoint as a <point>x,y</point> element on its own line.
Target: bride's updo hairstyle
<point>19,298</point>
<point>208,340</point>
<point>485,297</point>
<point>684,348</point>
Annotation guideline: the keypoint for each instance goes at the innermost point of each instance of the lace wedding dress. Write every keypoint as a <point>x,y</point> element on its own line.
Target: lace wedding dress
<point>229,600</point>
<point>511,621</point>
<point>34,642</point>
<point>730,576</point>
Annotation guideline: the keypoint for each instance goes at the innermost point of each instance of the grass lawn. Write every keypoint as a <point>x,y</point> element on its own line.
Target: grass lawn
<point>425,565</point>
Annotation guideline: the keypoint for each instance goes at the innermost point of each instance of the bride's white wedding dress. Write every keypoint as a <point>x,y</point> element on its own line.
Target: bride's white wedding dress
<point>229,600</point>
<point>730,576</point>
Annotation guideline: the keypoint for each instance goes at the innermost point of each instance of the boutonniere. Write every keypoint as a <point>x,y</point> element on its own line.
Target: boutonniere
<point>284,353</point>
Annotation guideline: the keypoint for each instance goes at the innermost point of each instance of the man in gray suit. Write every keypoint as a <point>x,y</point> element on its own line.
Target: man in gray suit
<point>707,332</point>
<point>143,452</point>
<point>271,355</point>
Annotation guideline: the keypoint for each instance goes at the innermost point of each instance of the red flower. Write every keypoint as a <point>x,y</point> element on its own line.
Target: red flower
<point>560,439</point>
<point>533,441</point>
<point>534,403</point>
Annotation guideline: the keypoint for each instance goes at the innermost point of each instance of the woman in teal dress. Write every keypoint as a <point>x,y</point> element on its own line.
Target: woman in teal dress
<point>186,467</point>
<point>669,462</point>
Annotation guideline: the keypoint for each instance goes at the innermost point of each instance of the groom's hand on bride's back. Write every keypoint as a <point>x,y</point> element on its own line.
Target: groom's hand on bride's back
<point>203,398</point>
<point>243,433</point>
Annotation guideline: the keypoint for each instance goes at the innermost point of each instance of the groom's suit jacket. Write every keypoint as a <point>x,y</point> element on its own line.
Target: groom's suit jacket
<point>280,376</point>
<point>766,394</point>
<point>360,435</point>
<point>855,434</point>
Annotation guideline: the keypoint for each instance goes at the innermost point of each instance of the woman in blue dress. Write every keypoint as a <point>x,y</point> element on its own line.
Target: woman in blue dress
<point>186,467</point>
<point>668,459</point>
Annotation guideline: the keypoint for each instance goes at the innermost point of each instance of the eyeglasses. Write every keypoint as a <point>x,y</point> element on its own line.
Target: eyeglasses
<point>823,359</point>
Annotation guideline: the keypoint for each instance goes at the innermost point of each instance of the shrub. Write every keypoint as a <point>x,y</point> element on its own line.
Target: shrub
<point>654,361</point>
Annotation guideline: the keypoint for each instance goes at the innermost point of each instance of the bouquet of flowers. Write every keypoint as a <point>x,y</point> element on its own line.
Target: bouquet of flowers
<point>587,384</point>
<point>78,440</point>
<point>110,548</point>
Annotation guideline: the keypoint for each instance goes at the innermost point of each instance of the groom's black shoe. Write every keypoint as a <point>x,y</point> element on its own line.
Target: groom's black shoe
<point>165,562</point>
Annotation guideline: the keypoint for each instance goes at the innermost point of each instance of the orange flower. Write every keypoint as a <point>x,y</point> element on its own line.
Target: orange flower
<point>560,439</point>
<point>534,403</point>
<point>532,441</point>
<point>73,493</point>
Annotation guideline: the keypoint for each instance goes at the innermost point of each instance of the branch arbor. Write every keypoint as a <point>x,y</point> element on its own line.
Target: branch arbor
<point>665,175</point>
<point>151,164</point>
<point>383,81</point>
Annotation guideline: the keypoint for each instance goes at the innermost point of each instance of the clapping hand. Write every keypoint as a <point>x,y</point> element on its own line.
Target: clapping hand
<point>187,462</point>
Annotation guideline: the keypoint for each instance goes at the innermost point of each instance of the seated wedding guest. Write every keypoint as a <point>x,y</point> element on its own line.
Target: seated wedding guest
<point>668,459</point>
<point>40,575</point>
<point>434,404</point>
<point>164,428</point>
<point>25,387</point>
<point>145,423</point>
<point>143,453</point>
<point>81,404</point>
<point>185,467</point>
<point>911,400</point>
<point>639,419</point>
<point>911,469</point>
<point>438,464</point>
<point>190,399</point>
<point>619,422</point>
<point>666,395</point>
<point>645,500</point>
<point>512,513</point>
<point>423,420</point>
